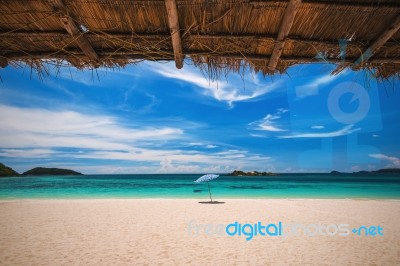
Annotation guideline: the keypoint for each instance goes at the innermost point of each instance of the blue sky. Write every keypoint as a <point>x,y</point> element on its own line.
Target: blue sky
<point>153,118</point>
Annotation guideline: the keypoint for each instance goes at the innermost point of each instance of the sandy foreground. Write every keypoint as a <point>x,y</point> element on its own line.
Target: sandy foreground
<point>173,232</point>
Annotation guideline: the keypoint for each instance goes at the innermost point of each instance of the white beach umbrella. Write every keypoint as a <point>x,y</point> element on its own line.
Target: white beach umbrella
<point>207,178</point>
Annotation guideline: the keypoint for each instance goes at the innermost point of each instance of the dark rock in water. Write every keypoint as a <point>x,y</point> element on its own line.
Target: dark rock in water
<point>363,172</point>
<point>197,190</point>
<point>6,171</point>
<point>254,173</point>
<point>388,171</point>
<point>50,171</point>
<point>380,171</point>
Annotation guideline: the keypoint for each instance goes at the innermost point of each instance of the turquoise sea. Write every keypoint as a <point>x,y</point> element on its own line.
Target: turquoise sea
<point>182,186</point>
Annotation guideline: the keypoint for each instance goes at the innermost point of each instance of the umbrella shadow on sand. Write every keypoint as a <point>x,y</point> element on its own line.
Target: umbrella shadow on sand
<point>211,202</point>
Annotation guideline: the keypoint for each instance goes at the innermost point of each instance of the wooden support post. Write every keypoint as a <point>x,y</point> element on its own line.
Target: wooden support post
<point>173,21</point>
<point>374,47</point>
<point>286,24</point>
<point>3,62</point>
<point>73,29</point>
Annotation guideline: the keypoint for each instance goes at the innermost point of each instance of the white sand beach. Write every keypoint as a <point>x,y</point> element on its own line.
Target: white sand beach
<point>170,232</point>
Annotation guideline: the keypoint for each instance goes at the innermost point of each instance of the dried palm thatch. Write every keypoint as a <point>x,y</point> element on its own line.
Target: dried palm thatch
<point>216,35</point>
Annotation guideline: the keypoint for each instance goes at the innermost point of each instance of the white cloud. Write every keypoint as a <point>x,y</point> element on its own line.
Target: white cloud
<point>311,88</point>
<point>131,93</point>
<point>69,135</point>
<point>341,132</point>
<point>392,161</point>
<point>107,168</point>
<point>375,136</point>
<point>268,122</point>
<point>268,127</point>
<point>175,161</point>
<point>317,127</point>
<point>196,144</point>
<point>306,90</point>
<point>248,88</point>
<point>200,144</point>
<point>211,146</point>
<point>167,166</point>
<point>27,153</point>
<point>326,79</point>
<point>29,127</point>
<point>257,135</point>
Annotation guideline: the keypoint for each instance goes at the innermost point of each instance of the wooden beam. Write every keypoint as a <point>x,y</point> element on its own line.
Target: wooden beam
<point>112,54</point>
<point>3,62</point>
<point>286,24</point>
<point>149,37</point>
<point>359,6</point>
<point>374,47</point>
<point>341,67</point>
<point>378,43</point>
<point>173,21</point>
<point>73,29</point>
<point>128,36</point>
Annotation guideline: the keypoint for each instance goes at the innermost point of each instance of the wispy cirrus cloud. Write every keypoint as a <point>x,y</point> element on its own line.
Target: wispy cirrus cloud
<point>33,127</point>
<point>312,87</point>
<point>76,137</point>
<point>391,160</point>
<point>221,90</point>
<point>200,144</point>
<point>349,129</point>
<point>268,123</point>
<point>317,127</point>
<point>27,153</point>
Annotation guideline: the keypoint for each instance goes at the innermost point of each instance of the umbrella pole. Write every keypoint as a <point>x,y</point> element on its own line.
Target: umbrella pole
<point>209,190</point>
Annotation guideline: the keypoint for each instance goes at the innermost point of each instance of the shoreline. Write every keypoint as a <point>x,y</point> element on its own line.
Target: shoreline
<point>195,199</point>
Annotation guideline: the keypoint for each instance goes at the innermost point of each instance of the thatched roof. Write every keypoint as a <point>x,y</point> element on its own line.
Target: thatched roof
<point>268,36</point>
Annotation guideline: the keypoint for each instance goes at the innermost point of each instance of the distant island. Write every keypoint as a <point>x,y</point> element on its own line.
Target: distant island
<point>6,171</point>
<point>50,171</point>
<point>380,171</point>
<point>253,173</point>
